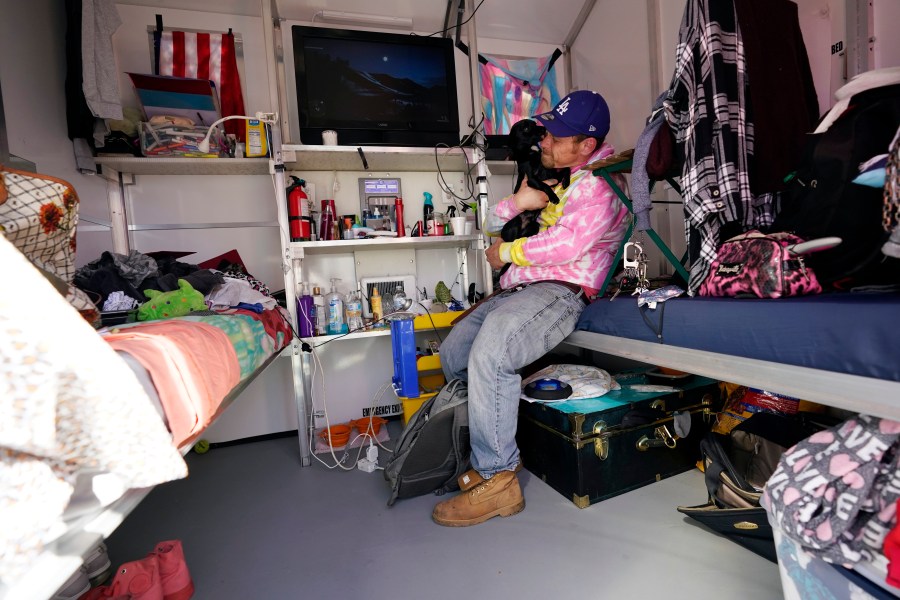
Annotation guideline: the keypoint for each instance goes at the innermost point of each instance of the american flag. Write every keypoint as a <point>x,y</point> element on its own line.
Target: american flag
<point>206,56</point>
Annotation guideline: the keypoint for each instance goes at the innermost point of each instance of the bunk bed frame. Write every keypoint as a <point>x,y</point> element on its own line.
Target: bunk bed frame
<point>868,395</point>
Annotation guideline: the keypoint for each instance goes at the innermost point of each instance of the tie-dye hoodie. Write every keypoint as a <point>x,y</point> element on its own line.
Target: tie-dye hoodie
<point>579,237</point>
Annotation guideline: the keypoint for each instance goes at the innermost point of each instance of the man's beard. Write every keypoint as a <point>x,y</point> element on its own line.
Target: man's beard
<point>547,160</point>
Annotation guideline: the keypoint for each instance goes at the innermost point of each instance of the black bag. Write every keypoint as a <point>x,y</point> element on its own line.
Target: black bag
<point>737,467</point>
<point>822,201</point>
<point>433,450</point>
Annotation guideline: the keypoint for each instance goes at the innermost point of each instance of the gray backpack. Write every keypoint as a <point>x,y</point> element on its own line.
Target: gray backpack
<point>433,449</point>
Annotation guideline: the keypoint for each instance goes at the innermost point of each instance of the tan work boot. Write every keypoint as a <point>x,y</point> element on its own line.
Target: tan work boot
<point>498,496</point>
<point>471,478</point>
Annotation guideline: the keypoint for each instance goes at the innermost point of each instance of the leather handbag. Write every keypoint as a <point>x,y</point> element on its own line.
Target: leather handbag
<point>736,468</point>
<point>760,265</point>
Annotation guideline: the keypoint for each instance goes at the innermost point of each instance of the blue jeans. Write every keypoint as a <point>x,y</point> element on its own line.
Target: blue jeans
<point>503,334</point>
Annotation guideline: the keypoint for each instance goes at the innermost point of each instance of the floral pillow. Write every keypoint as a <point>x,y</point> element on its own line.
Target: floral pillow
<point>39,217</point>
<point>38,214</point>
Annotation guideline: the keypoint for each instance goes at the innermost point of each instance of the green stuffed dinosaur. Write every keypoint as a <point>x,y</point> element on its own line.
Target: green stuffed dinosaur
<point>177,303</point>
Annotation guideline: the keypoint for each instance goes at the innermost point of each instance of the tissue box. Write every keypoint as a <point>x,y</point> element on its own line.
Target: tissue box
<point>172,141</point>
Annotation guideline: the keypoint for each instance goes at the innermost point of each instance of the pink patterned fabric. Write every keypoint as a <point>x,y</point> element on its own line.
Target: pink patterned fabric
<point>515,89</point>
<point>579,237</point>
<point>835,493</point>
<point>193,366</point>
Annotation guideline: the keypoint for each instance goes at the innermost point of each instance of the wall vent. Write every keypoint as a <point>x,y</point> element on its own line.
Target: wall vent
<point>386,287</point>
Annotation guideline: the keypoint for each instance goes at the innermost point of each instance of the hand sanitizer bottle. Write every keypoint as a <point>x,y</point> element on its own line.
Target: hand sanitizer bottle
<point>334,304</point>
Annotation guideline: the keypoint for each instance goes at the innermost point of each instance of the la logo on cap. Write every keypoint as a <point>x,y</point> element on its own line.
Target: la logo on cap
<point>563,107</point>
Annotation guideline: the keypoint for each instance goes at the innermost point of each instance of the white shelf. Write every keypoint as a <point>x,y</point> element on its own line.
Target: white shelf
<point>322,339</point>
<point>502,167</point>
<point>300,249</point>
<point>185,166</point>
<point>308,158</point>
<point>378,158</point>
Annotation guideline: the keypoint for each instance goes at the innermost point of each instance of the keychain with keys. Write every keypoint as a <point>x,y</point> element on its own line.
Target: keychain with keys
<point>643,284</point>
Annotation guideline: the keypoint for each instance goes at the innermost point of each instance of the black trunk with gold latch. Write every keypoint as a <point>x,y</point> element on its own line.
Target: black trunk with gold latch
<point>592,449</point>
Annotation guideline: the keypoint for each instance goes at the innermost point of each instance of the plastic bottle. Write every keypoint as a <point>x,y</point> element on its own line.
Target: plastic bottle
<point>399,226</point>
<point>334,304</point>
<point>428,215</point>
<point>377,310</point>
<point>321,323</point>
<point>353,306</point>
<point>401,301</point>
<point>327,223</point>
<point>306,312</point>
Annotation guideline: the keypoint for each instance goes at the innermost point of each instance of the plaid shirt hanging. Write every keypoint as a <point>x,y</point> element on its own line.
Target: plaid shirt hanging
<point>206,56</point>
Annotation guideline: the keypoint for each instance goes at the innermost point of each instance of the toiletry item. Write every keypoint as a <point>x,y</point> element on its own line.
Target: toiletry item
<point>257,139</point>
<point>306,311</point>
<point>321,322</point>
<point>401,301</point>
<point>377,310</point>
<point>399,226</point>
<point>328,224</point>
<point>334,304</point>
<point>353,307</point>
<point>428,215</point>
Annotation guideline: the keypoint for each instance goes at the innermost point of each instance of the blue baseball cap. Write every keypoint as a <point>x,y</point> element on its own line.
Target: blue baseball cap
<point>581,112</point>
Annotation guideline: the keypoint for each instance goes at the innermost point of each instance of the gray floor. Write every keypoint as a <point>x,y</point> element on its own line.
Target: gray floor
<point>255,525</point>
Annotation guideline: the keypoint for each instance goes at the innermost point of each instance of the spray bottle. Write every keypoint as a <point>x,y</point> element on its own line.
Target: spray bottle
<point>335,306</point>
<point>399,227</point>
<point>306,312</point>
<point>428,215</point>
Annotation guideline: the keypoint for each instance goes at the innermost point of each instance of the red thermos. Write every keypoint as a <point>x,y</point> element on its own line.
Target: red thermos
<point>298,213</point>
<point>398,210</point>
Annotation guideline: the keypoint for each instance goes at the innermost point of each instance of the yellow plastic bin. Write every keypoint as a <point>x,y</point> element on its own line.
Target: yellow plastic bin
<point>431,379</point>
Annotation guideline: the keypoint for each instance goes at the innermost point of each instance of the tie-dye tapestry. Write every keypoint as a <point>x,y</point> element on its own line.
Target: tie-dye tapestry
<point>512,90</point>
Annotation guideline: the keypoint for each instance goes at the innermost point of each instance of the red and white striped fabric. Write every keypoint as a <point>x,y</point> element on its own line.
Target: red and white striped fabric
<point>206,56</point>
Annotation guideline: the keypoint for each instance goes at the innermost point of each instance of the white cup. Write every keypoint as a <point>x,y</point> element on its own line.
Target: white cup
<point>470,227</point>
<point>329,137</point>
<point>458,224</point>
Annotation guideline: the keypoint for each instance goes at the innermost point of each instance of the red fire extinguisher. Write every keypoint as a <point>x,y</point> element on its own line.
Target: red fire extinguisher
<point>298,212</point>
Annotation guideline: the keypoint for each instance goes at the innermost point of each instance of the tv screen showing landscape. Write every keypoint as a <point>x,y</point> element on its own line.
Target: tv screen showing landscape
<point>372,81</point>
<point>385,82</point>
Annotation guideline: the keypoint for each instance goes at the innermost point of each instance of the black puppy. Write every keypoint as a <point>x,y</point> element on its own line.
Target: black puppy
<point>525,138</point>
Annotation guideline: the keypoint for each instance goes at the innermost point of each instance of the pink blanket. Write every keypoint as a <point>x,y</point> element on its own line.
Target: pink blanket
<point>192,365</point>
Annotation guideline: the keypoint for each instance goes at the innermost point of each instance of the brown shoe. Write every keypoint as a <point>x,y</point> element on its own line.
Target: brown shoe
<point>471,478</point>
<point>498,496</point>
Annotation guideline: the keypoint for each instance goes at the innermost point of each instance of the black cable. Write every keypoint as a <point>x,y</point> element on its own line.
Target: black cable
<point>433,326</point>
<point>452,27</point>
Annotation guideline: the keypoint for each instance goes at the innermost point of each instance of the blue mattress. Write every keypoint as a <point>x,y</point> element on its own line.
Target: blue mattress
<point>857,334</point>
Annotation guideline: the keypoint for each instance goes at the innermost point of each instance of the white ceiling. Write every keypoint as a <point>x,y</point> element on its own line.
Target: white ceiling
<point>522,20</point>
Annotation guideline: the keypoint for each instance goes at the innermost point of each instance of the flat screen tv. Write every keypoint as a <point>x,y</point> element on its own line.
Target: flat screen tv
<point>375,88</point>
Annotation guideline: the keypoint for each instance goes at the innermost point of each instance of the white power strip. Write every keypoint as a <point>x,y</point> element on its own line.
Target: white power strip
<point>370,463</point>
<point>366,465</point>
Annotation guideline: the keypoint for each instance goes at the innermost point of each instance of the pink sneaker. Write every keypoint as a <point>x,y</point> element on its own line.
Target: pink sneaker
<point>137,580</point>
<point>176,579</point>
